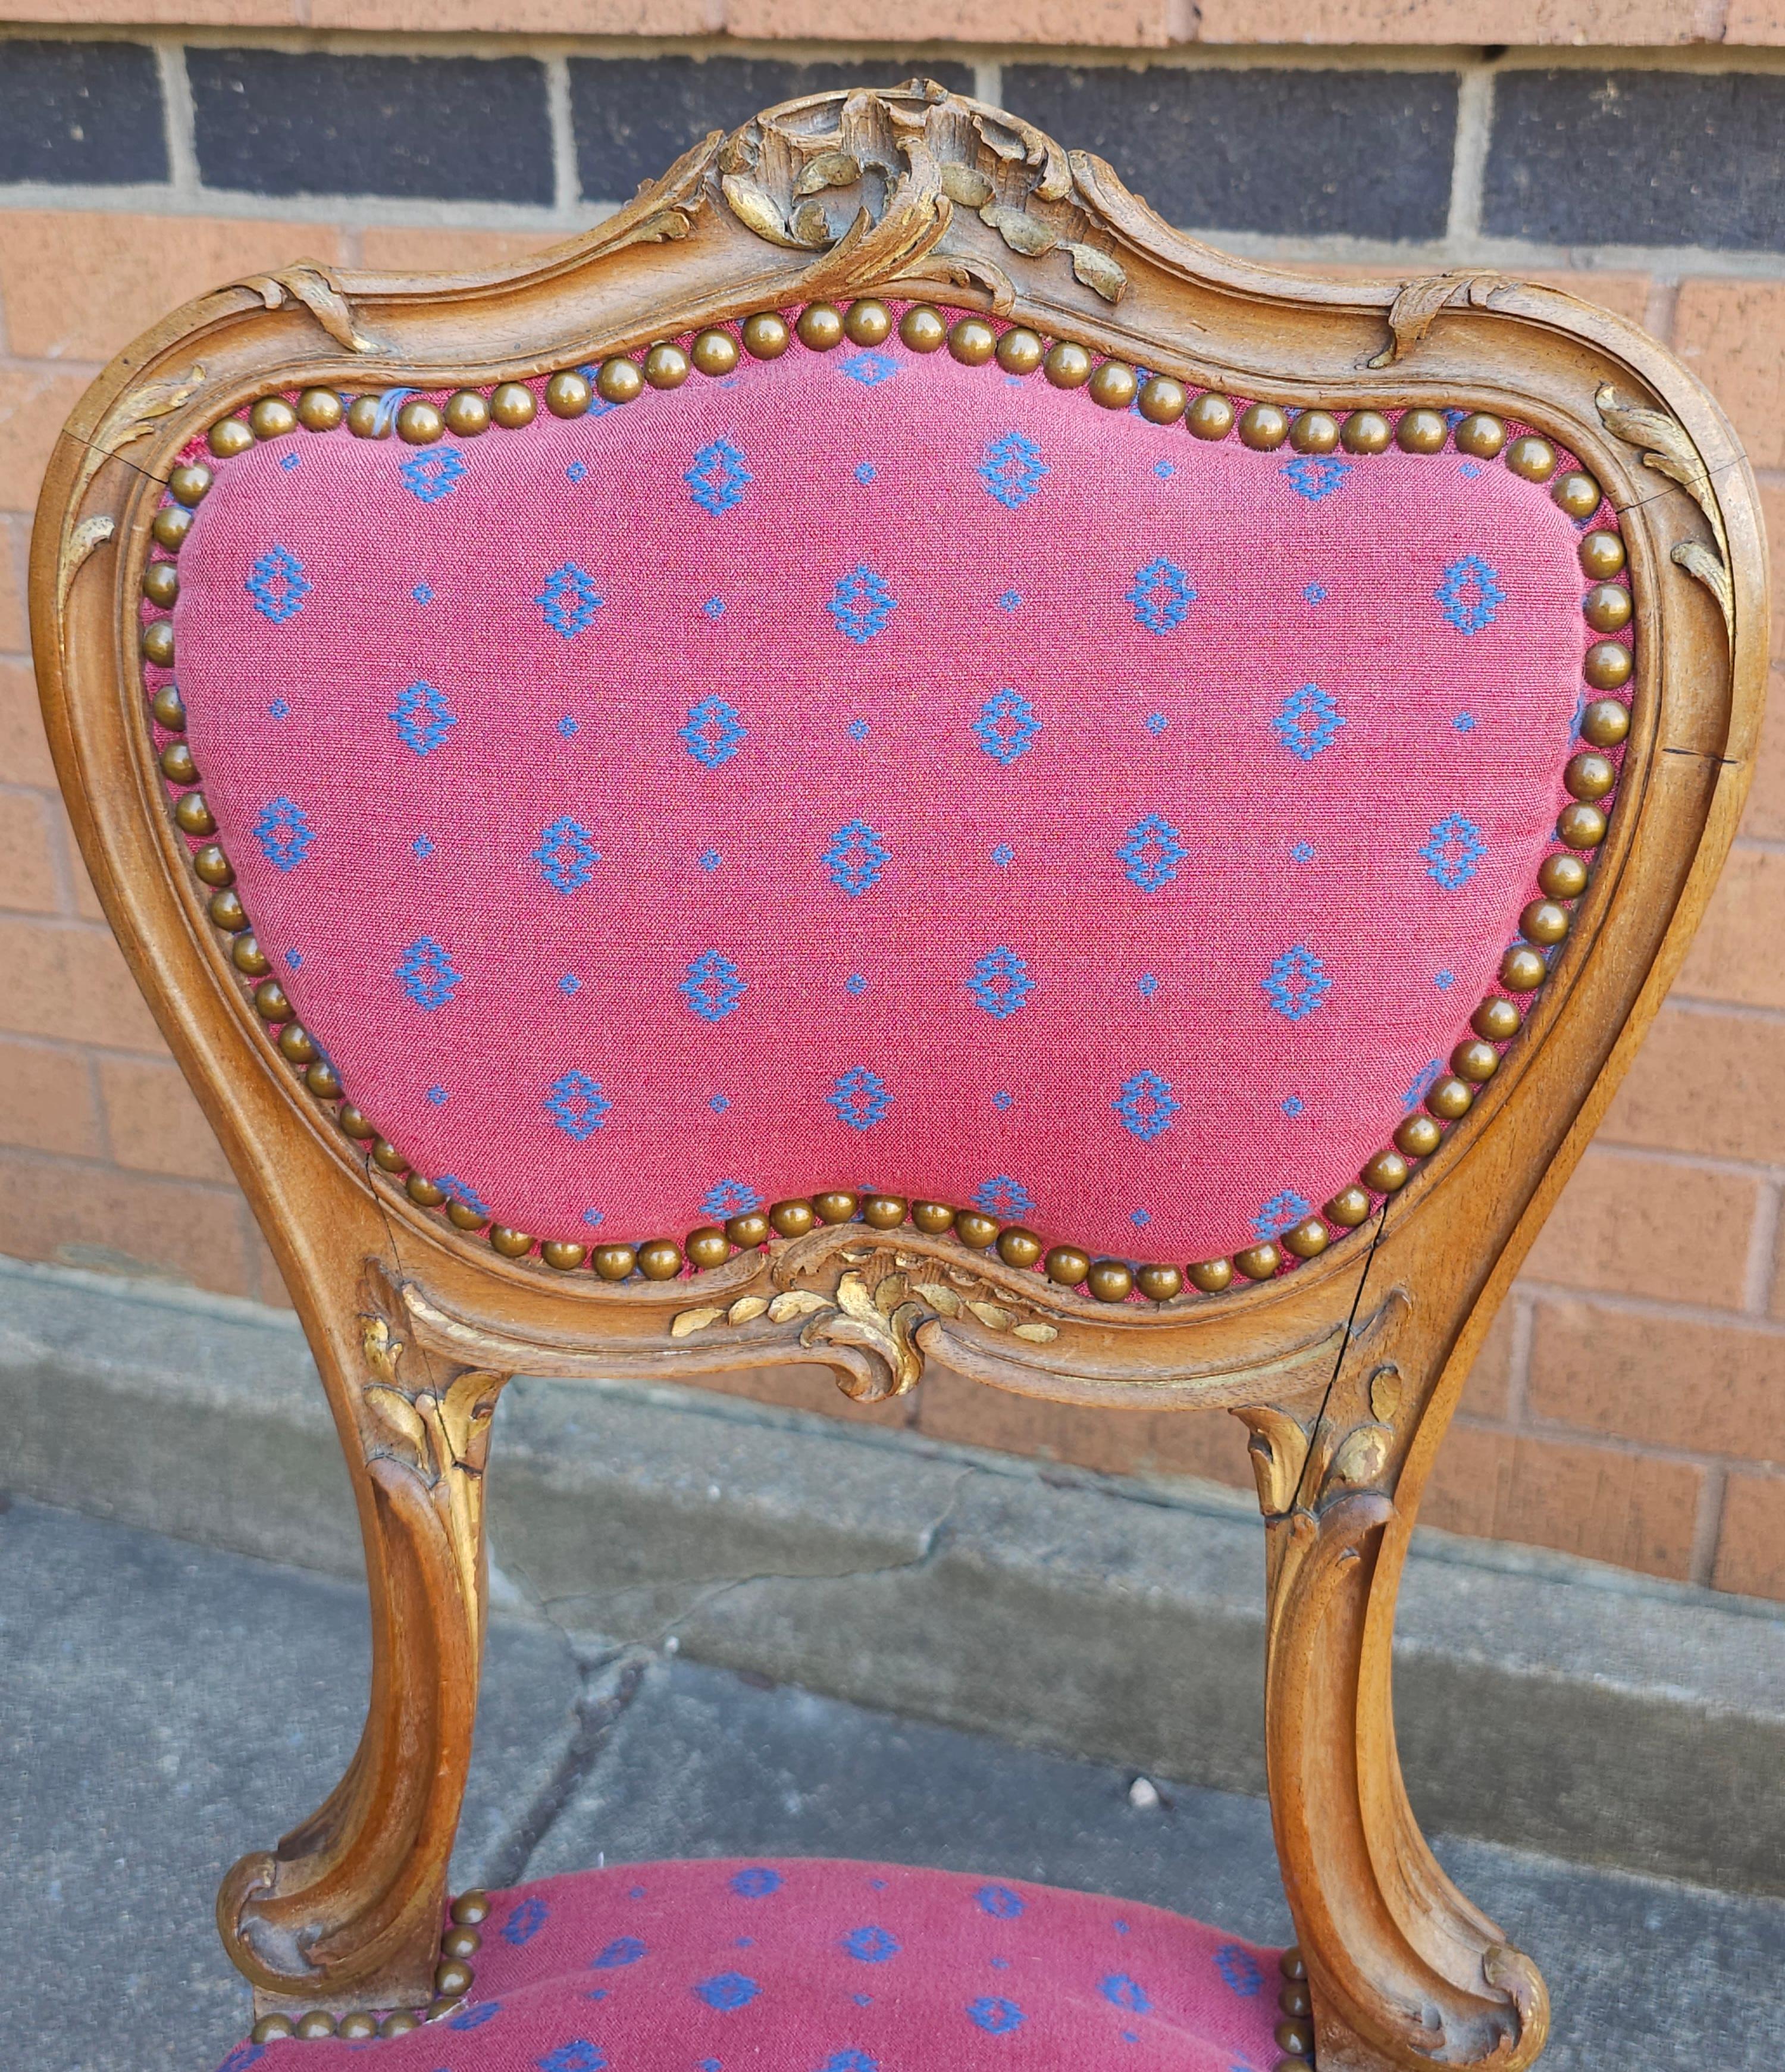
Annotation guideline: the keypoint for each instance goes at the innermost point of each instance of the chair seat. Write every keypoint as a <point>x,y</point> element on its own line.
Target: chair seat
<point>807,1966</point>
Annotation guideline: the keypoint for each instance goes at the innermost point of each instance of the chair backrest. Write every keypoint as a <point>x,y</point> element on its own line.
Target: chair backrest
<point>881,759</point>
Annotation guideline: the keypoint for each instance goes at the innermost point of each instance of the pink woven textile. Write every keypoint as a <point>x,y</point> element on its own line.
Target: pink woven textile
<point>827,1967</point>
<point>868,770</point>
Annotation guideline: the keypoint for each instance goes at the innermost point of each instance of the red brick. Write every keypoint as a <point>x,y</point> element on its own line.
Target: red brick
<point>1673,1382</point>
<point>1734,957</point>
<point>1634,1226</point>
<point>426,250</point>
<point>24,747</point>
<point>33,407</point>
<point>1728,332</point>
<point>1602,21</point>
<point>1764,818</point>
<point>28,881</point>
<point>1488,1391</point>
<point>1709,1080</point>
<point>1750,1545</point>
<point>1772,512</point>
<point>1142,24</point>
<point>1208,1443</point>
<point>73,983</point>
<point>93,1216</point>
<point>1590,1501</point>
<point>15,636</point>
<point>47,1101</point>
<point>80,285</point>
<point>154,1123</point>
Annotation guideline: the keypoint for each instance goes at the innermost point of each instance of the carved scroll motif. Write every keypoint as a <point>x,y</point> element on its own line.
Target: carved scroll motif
<point>1669,451</point>
<point>874,185</point>
<point>442,1436</point>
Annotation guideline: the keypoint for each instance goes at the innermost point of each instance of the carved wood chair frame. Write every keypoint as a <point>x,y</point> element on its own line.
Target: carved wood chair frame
<point>1345,1370</point>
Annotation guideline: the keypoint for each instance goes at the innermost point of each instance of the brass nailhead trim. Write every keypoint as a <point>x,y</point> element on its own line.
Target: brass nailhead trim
<point>715,352</point>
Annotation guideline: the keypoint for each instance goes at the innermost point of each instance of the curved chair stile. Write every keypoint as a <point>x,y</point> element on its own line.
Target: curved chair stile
<point>818,886</point>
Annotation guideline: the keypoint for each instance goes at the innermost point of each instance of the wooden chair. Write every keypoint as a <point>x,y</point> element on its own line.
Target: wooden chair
<point>884,669</point>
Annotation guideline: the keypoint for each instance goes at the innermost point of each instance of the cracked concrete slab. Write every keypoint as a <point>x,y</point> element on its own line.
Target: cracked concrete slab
<point>167,1705</point>
<point>1115,1620</point>
<point>164,1708</point>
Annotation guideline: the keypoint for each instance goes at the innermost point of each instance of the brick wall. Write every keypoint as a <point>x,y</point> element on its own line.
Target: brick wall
<point>1625,1406</point>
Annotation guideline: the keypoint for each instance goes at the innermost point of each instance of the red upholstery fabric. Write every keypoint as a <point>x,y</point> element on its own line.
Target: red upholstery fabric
<point>869,771</point>
<point>817,1966</point>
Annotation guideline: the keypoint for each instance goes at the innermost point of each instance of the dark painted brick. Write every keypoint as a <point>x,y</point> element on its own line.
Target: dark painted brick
<point>1638,158</point>
<point>89,114</point>
<point>435,128</point>
<point>1306,153</point>
<point>635,116</point>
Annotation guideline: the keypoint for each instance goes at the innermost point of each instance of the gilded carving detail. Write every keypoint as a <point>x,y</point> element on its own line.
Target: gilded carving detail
<point>315,288</point>
<point>873,185</point>
<point>1669,450</point>
<point>441,1433</point>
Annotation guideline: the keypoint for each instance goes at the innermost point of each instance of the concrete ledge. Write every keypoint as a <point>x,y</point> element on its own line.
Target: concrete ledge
<point>1541,1702</point>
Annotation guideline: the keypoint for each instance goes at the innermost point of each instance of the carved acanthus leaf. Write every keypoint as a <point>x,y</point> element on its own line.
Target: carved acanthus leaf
<point>774,172</point>
<point>315,290</point>
<point>86,538</point>
<point>1417,306</point>
<point>1278,1450</point>
<point>1668,448</point>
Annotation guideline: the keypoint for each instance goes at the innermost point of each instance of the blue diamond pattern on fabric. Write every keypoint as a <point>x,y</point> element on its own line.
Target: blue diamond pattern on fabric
<point>421,715</point>
<point>474,2017</point>
<point>277,585</point>
<point>872,1945</point>
<point>1315,593</point>
<point>995,2015</point>
<point>569,599</point>
<point>730,1991</point>
<point>279,709</point>
<point>755,1881</point>
<point>578,2055</point>
<point>718,477</point>
<point>1296,983</point>
<point>525,1923</point>
<point>1470,594</point>
<point>428,974</point>
<point>1453,851</point>
<point>1315,479</point>
<point>244,2055</point>
<point>577,1105</point>
<point>1012,468</point>
<point>1156,724</point>
<point>623,1950</point>
<point>713,732</point>
<point>860,1097</point>
<point>284,833</point>
<point>1000,983</point>
<point>1278,1214</point>
<point>1421,1086</point>
<point>1308,720</point>
<point>1002,1196</point>
<point>1239,1970</point>
<point>1007,726</point>
<point>861,604</point>
<point>1162,596</point>
<point>730,1198</point>
<point>1151,853</point>
<point>998,1900</point>
<point>856,857</point>
<point>850,2061</point>
<point>869,368</point>
<point>1145,1105</point>
<point>1123,1991</point>
<point>1004,856</point>
<point>566,856</point>
<point>456,1190</point>
<point>433,475</point>
<point>713,986</point>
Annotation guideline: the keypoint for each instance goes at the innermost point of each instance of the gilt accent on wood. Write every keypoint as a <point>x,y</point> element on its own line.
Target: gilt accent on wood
<point>1345,1364</point>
